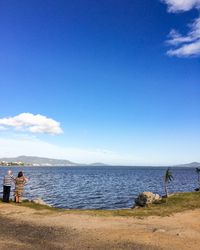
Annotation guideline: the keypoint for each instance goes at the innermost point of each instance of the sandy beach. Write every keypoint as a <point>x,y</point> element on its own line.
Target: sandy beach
<point>27,228</point>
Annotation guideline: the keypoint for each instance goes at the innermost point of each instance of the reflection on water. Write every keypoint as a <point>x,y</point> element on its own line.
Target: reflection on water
<point>99,188</point>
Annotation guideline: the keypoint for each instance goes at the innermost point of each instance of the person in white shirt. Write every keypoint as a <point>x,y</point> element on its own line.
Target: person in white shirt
<point>7,183</point>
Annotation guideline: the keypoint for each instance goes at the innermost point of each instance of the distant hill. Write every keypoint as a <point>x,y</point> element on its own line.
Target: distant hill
<point>98,164</point>
<point>39,161</point>
<point>189,165</point>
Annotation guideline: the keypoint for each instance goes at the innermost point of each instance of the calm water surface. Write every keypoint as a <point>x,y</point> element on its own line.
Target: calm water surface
<point>99,187</point>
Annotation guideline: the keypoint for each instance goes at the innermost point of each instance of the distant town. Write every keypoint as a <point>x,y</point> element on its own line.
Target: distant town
<point>6,163</point>
<point>20,163</point>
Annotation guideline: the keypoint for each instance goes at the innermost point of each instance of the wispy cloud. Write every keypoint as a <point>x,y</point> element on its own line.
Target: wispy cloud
<point>189,44</point>
<point>167,153</point>
<point>32,123</point>
<point>28,145</point>
<point>181,5</point>
<point>2,128</point>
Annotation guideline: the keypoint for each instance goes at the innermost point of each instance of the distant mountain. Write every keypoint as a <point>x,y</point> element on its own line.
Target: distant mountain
<point>189,165</point>
<point>39,161</point>
<point>98,164</point>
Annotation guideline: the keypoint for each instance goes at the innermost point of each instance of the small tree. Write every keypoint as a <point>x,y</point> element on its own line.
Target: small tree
<point>198,176</point>
<point>167,179</point>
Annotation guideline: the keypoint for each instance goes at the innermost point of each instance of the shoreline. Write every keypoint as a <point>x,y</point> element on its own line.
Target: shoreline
<point>176,202</point>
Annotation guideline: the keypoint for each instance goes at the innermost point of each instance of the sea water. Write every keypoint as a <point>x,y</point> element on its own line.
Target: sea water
<point>99,187</point>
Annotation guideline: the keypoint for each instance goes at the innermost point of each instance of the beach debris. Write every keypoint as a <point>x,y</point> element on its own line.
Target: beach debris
<point>40,202</point>
<point>159,230</point>
<point>147,198</point>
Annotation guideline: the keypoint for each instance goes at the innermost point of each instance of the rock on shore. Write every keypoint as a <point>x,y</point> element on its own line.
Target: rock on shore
<point>146,198</point>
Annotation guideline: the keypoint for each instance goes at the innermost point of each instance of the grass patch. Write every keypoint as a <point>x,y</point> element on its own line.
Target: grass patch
<point>178,202</point>
<point>30,204</point>
<point>35,206</point>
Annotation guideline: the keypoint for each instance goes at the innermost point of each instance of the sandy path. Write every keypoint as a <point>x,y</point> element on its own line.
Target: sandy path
<point>25,228</point>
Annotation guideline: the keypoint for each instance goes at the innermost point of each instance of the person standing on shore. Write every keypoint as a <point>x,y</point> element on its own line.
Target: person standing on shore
<point>20,181</point>
<point>7,183</point>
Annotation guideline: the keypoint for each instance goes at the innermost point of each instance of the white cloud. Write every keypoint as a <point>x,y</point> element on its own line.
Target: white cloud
<point>181,5</point>
<point>189,44</point>
<point>32,123</point>
<point>175,38</point>
<point>186,50</point>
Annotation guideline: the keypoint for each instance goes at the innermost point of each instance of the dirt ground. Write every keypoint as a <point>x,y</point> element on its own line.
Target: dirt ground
<point>26,228</point>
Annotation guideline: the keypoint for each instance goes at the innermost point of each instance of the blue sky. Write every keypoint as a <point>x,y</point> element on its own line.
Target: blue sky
<point>113,81</point>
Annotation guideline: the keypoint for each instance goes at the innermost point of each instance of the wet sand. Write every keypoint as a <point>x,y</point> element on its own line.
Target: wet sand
<point>26,228</point>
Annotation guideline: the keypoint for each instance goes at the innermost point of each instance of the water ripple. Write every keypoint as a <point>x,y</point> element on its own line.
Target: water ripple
<point>99,188</point>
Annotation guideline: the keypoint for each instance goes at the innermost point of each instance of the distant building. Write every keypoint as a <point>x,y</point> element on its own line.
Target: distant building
<point>5,163</point>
